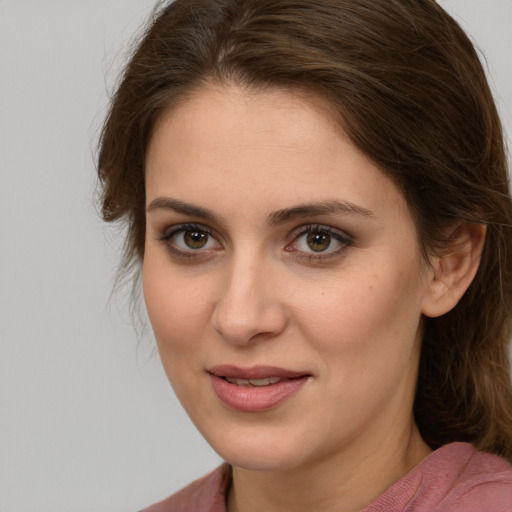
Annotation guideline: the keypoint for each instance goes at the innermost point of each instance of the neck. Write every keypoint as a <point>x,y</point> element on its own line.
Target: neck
<point>343,481</point>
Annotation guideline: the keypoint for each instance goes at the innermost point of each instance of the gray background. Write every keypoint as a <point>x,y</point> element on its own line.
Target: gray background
<point>87,419</point>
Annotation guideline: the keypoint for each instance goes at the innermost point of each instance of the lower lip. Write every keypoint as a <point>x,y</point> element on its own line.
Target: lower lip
<point>255,399</point>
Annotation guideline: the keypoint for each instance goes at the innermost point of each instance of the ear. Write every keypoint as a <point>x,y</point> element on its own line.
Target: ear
<point>454,270</point>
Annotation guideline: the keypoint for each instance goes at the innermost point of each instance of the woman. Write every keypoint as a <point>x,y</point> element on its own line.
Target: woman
<point>316,192</point>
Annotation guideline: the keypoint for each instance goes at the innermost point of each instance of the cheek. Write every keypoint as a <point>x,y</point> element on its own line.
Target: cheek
<point>366,334</point>
<point>176,308</point>
<point>363,312</point>
<point>179,317</point>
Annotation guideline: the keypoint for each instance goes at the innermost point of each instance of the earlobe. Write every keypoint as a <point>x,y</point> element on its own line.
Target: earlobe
<point>453,271</point>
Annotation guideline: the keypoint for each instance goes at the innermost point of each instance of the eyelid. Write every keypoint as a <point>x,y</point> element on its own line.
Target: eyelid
<point>168,233</point>
<point>341,236</point>
<point>331,230</point>
<point>345,240</point>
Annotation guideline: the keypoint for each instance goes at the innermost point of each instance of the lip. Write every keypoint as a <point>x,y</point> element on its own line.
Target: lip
<point>254,372</point>
<point>255,399</point>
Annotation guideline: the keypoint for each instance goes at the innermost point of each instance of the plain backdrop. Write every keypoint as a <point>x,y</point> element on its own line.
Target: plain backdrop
<point>88,421</point>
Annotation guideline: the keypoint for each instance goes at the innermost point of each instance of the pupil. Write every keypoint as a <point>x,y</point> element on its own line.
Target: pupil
<point>319,241</point>
<point>195,239</point>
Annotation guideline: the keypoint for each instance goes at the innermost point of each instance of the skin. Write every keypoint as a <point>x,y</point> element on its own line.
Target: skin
<point>350,316</point>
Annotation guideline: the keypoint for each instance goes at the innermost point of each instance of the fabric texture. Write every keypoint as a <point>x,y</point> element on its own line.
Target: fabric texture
<point>454,478</point>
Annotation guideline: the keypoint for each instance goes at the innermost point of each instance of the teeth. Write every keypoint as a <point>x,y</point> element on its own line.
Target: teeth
<point>247,383</point>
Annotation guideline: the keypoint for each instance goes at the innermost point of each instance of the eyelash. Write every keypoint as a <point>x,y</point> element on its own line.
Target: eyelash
<point>344,240</point>
<point>168,234</point>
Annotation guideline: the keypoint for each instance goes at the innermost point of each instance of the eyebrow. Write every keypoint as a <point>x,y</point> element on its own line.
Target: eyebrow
<point>278,217</point>
<point>323,208</point>
<point>168,203</point>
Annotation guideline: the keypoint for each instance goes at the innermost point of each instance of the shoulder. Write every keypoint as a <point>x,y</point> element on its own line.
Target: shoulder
<point>477,480</point>
<point>208,494</point>
<point>454,478</point>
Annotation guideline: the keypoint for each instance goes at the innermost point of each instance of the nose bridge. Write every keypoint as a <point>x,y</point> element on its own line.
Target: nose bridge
<point>248,305</point>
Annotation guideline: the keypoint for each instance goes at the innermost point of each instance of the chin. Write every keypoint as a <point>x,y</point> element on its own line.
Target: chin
<point>261,460</point>
<point>256,451</point>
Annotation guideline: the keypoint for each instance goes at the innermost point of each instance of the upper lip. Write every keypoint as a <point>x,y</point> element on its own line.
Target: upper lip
<point>255,372</point>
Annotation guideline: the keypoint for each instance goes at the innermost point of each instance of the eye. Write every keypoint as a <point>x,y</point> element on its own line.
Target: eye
<point>317,241</point>
<point>188,239</point>
<point>192,239</point>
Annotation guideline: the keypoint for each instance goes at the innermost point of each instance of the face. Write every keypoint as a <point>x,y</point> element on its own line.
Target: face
<point>282,277</point>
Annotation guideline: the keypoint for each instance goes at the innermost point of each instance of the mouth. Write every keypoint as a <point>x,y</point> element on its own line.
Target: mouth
<point>253,383</point>
<point>255,389</point>
<point>255,373</point>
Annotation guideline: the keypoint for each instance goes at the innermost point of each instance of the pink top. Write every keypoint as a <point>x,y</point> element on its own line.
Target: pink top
<point>454,478</point>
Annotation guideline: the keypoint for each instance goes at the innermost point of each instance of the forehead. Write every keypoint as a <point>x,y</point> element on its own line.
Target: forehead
<point>290,114</point>
<point>261,149</point>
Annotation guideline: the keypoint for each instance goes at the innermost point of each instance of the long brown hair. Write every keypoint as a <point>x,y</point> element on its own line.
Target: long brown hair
<point>408,88</point>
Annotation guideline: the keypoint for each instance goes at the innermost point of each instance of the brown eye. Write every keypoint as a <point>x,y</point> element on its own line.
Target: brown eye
<point>191,239</point>
<point>318,241</point>
<point>195,239</point>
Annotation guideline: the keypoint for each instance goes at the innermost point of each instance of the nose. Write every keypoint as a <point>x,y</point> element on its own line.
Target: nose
<point>248,308</point>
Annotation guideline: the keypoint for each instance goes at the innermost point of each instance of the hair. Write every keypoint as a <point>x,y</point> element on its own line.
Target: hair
<point>407,87</point>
